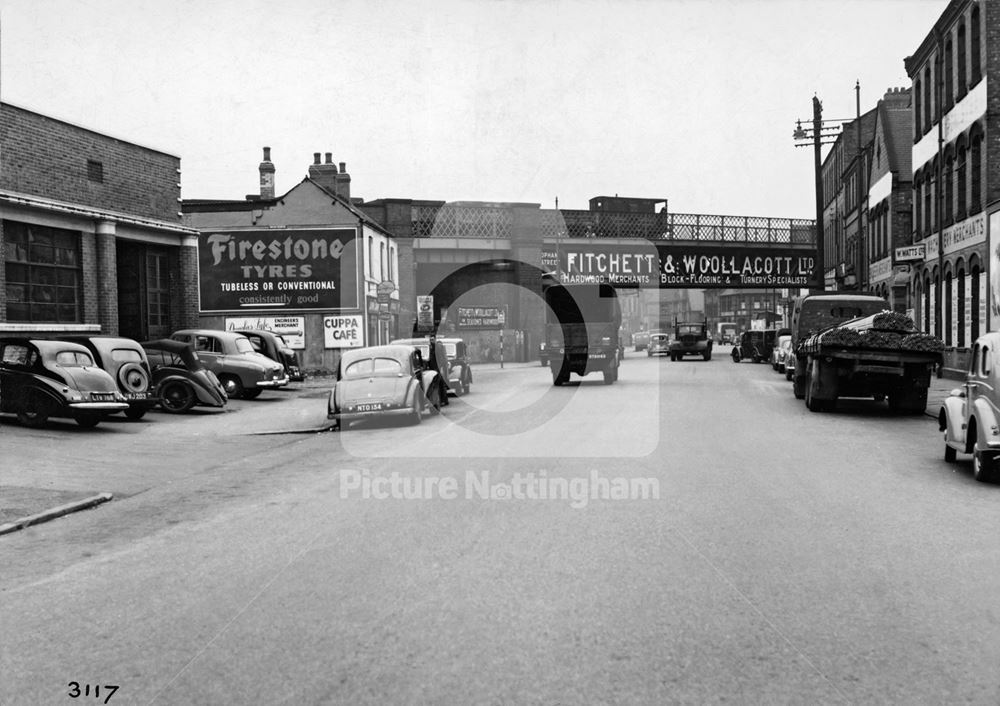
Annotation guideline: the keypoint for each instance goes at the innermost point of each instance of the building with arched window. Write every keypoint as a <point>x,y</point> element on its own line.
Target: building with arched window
<point>954,86</point>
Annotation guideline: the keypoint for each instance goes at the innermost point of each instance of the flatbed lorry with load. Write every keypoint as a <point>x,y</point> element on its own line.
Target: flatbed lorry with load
<point>881,356</point>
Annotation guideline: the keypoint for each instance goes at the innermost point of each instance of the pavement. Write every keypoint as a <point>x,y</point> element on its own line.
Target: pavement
<point>301,408</point>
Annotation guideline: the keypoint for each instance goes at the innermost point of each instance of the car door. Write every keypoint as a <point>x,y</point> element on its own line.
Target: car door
<point>209,350</point>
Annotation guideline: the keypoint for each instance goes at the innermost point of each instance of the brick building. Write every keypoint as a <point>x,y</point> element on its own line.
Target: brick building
<point>90,232</point>
<point>955,155</point>
<point>307,264</point>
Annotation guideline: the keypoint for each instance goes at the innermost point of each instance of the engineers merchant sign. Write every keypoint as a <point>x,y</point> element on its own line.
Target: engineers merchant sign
<point>279,269</point>
<point>678,266</point>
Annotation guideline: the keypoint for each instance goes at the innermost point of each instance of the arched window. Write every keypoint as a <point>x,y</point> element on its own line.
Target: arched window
<point>371,249</point>
<point>949,77</point>
<point>962,285</point>
<point>382,263</point>
<point>927,98</point>
<point>974,312</point>
<point>963,85</point>
<point>961,207</point>
<point>917,132</point>
<point>949,190</point>
<point>928,323</point>
<point>948,298</point>
<point>392,263</point>
<point>918,222</point>
<point>974,50</point>
<point>976,170</point>
<point>929,188</point>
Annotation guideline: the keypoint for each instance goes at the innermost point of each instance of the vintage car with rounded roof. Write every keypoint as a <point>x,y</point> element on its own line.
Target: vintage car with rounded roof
<point>455,367</point>
<point>41,378</point>
<point>180,378</point>
<point>970,417</point>
<point>242,371</point>
<point>125,361</point>
<point>276,348</point>
<point>383,381</point>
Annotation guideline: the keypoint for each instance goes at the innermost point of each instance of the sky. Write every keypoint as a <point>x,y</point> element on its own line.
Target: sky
<point>693,101</point>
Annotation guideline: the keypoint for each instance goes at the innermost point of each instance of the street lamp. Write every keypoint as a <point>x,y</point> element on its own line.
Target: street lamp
<point>817,136</point>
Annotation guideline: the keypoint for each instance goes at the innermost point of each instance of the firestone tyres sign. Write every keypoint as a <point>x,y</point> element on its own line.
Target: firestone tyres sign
<point>679,266</point>
<point>295,270</point>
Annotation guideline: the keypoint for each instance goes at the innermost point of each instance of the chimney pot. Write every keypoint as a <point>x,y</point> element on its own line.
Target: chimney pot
<point>343,167</point>
<point>329,157</point>
<point>267,154</point>
<point>316,158</point>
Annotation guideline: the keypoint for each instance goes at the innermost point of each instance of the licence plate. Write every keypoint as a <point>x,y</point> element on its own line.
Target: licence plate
<point>137,395</point>
<point>374,407</point>
<point>102,396</point>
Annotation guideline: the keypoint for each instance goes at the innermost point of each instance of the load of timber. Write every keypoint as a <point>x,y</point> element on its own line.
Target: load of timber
<point>885,331</point>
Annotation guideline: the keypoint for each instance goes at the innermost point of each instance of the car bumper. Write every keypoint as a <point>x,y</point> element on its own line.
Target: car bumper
<point>271,384</point>
<point>344,417</point>
<point>98,406</point>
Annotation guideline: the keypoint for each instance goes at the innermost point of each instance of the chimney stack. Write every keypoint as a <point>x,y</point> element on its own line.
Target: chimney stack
<point>326,175</point>
<point>266,169</point>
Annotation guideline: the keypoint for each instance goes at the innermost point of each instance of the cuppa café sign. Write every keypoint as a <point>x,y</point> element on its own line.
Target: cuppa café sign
<point>663,266</point>
<point>279,269</point>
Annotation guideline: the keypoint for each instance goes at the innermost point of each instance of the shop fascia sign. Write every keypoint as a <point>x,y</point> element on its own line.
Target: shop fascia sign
<point>910,253</point>
<point>971,231</point>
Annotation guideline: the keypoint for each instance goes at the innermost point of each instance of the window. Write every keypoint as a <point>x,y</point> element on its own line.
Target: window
<point>960,306</point>
<point>974,303</point>
<point>43,274</point>
<point>977,167</point>
<point>95,171</point>
<point>949,80</point>
<point>984,365</point>
<point>392,257</point>
<point>927,98</point>
<point>918,186</point>
<point>960,206</point>
<point>125,355</point>
<point>207,344</point>
<point>74,359</point>
<point>963,85</point>
<point>976,72</point>
<point>382,264</point>
<point>917,132</point>
<point>371,248</point>
<point>949,191</point>
<point>157,289</point>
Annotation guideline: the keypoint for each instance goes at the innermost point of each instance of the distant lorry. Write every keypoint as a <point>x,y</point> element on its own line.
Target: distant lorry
<point>852,345</point>
<point>726,332</point>
<point>582,330</point>
<point>690,339</point>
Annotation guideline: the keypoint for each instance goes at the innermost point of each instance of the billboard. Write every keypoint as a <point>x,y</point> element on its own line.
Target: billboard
<point>482,317</point>
<point>291,328</point>
<point>290,270</point>
<point>670,266</point>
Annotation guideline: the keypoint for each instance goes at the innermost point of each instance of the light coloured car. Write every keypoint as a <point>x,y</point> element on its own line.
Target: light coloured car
<point>242,371</point>
<point>383,381</point>
<point>779,354</point>
<point>659,344</point>
<point>970,417</point>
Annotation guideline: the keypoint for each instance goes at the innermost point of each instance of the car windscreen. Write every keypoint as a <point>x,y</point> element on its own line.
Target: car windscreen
<point>372,366</point>
<point>659,338</point>
<point>243,345</point>
<point>69,359</point>
<point>451,349</point>
<point>126,355</point>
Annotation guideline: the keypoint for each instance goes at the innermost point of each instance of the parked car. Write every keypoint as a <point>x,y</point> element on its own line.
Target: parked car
<point>640,339</point>
<point>125,360</point>
<point>242,371</point>
<point>754,345</point>
<point>180,379</point>
<point>47,378</point>
<point>276,348</point>
<point>383,381</point>
<point>779,354</point>
<point>659,344</point>
<point>970,417</point>
<point>450,359</point>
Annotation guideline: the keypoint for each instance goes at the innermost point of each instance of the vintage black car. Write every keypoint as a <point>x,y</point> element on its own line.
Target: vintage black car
<point>755,346</point>
<point>383,381</point>
<point>453,366</point>
<point>180,379</point>
<point>125,361</point>
<point>46,378</point>
<point>276,348</point>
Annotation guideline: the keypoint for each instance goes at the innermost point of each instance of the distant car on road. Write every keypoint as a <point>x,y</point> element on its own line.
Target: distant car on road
<point>276,348</point>
<point>383,381</point>
<point>659,344</point>
<point>780,352</point>
<point>691,339</point>
<point>640,339</point>
<point>180,378</point>
<point>125,361</point>
<point>970,417</point>
<point>242,371</point>
<point>453,366</point>
<point>47,378</point>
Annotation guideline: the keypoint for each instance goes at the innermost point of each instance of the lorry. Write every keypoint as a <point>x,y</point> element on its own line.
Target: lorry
<point>690,339</point>
<point>879,355</point>
<point>725,332</point>
<point>582,330</point>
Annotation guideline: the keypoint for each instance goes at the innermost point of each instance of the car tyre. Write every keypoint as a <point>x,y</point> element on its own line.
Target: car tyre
<point>232,385</point>
<point>135,413</point>
<point>252,393</point>
<point>983,465</point>
<point>950,454</point>
<point>37,414</point>
<point>177,397</point>
<point>434,400</point>
<point>708,355</point>
<point>416,415</point>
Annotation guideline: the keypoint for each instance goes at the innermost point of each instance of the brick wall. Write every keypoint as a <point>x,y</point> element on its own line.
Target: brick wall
<point>46,157</point>
<point>184,292</point>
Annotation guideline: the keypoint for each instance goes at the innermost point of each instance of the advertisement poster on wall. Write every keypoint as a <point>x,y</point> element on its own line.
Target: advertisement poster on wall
<point>994,269</point>
<point>269,269</point>
<point>344,331</point>
<point>290,328</point>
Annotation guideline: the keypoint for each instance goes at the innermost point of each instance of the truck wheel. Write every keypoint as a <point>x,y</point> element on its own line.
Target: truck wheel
<point>789,372</point>
<point>610,373</point>
<point>708,355</point>
<point>983,464</point>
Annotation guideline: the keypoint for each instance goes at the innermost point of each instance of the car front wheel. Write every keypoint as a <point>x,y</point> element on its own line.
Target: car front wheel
<point>232,385</point>
<point>983,464</point>
<point>177,397</point>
